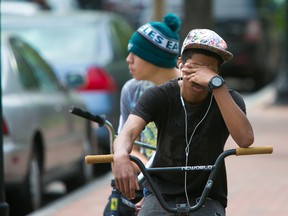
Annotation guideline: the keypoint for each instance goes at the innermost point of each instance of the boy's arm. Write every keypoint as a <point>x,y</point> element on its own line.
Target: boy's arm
<point>235,119</point>
<point>123,170</point>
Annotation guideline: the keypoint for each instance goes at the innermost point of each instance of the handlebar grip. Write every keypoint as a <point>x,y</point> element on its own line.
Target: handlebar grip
<point>84,114</point>
<point>254,150</point>
<point>91,159</point>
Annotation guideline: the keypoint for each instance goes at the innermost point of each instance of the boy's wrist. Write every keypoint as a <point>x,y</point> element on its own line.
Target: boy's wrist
<point>215,82</point>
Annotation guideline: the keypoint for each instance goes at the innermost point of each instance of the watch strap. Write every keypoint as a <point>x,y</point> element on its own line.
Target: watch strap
<point>211,86</point>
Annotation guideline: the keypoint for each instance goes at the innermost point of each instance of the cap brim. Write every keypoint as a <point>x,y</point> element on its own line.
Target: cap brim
<point>224,54</point>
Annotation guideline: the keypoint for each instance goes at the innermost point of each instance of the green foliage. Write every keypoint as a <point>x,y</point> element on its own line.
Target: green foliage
<point>274,11</point>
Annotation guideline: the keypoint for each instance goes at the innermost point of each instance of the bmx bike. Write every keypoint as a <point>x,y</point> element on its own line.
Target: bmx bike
<point>119,205</point>
<point>181,208</point>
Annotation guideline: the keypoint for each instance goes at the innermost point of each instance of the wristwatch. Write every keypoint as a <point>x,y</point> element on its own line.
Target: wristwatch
<point>216,82</point>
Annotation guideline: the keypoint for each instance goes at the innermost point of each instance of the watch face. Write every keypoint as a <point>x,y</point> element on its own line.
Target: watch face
<point>216,81</point>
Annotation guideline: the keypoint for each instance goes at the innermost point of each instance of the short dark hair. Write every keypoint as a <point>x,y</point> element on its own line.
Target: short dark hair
<point>187,54</point>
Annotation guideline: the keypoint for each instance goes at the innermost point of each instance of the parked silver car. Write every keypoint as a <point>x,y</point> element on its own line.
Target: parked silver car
<point>91,44</point>
<point>42,141</point>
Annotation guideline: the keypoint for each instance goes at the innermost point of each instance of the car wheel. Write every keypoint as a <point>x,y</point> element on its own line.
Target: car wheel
<point>85,173</point>
<point>98,169</point>
<point>30,197</point>
<point>86,170</point>
<point>92,139</point>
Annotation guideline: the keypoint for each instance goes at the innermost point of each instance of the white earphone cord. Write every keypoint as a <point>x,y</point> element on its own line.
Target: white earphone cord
<point>188,143</point>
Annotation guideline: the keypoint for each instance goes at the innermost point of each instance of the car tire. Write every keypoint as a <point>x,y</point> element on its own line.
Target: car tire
<point>30,197</point>
<point>98,169</point>
<point>86,170</point>
<point>85,174</point>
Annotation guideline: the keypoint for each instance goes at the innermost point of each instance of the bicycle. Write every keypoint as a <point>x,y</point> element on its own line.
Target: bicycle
<point>116,195</point>
<point>181,208</point>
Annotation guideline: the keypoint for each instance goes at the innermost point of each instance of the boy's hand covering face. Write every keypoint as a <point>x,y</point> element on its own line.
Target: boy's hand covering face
<point>197,73</point>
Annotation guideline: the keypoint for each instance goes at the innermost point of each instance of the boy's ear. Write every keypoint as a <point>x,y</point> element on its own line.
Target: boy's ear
<point>179,63</point>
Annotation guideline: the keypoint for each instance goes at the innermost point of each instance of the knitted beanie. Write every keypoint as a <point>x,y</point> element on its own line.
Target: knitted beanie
<point>157,42</point>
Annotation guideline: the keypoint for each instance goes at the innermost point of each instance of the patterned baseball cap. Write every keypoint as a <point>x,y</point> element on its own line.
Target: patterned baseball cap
<point>208,40</point>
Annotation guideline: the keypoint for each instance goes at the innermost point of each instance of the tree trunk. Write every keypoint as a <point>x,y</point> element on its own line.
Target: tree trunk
<point>197,14</point>
<point>282,81</point>
<point>158,10</point>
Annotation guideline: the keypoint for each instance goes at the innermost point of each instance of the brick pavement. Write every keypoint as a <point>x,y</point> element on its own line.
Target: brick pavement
<point>87,201</point>
<point>258,185</point>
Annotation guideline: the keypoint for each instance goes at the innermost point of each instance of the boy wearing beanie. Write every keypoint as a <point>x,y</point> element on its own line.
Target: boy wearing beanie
<point>194,116</point>
<point>153,52</point>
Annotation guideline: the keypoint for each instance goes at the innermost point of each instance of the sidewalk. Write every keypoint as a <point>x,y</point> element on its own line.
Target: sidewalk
<point>258,185</point>
<point>87,201</point>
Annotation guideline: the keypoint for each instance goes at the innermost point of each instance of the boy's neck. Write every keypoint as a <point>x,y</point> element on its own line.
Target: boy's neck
<point>164,75</point>
<point>189,96</point>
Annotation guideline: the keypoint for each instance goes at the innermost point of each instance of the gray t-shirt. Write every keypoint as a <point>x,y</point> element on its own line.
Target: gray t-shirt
<point>130,93</point>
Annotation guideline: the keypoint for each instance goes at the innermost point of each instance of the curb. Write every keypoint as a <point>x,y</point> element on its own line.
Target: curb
<point>59,204</point>
<point>264,97</point>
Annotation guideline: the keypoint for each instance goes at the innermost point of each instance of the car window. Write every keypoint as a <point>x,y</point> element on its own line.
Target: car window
<point>25,73</point>
<point>79,43</point>
<point>33,71</point>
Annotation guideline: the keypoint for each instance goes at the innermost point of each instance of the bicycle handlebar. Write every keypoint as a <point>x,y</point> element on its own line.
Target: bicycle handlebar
<point>183,208</point>
<point>84,114</point>
<point>103,122</point>
<point>254,150</point>
<point>90,159</point>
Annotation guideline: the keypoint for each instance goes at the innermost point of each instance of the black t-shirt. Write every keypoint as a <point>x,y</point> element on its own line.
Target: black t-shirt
<point>162,104</point>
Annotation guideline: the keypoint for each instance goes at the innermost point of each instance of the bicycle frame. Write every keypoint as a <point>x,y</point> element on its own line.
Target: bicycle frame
<point>213,168</point>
